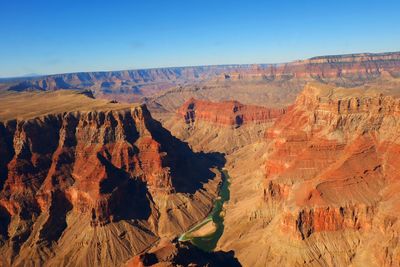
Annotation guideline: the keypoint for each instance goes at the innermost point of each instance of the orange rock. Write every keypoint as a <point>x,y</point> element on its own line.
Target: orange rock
<point>337,148</point>
<point>227,113</point>
<point>86,156</point>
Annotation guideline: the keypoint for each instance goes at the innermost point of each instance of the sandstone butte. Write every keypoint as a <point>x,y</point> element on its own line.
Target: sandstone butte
<point>86,182</point>
<point>230,113</point>
<point>220,126</point>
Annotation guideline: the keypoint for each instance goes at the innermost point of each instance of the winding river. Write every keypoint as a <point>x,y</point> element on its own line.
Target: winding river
<point>209,242</point>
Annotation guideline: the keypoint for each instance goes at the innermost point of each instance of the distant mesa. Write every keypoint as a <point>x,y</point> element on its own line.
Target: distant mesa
<point>231,113</point>
<point>135,85</point>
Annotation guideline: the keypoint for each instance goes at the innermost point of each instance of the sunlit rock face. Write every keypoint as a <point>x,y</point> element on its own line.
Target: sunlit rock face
<point>88,158</point>
<point>333,171</point>
<point>74,183</point>
<point>230,113</point>
<point>171,87</point>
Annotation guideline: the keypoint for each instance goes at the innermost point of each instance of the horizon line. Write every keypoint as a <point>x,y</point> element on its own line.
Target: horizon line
<point>28,76</point>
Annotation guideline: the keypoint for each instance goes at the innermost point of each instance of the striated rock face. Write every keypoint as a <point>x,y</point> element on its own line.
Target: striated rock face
<point>333,160</point>
<point>327,193</point>
<point>326,68</point>
<point>230,113</point>
<point>220,126</point>
<point>278,85</point>
<point>126,86</point>
<point>289,78</point>
<point>75,183</point>
<point>87,156</point>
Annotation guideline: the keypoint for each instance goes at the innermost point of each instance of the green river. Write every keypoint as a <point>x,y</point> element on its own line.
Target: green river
<point>208,243</point>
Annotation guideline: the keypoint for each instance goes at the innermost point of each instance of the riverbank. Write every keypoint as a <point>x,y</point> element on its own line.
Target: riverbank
<point>206,234</point>
<point>206,230</point>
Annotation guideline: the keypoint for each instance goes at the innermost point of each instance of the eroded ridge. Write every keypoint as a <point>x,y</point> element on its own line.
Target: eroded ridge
<point>100,184</point>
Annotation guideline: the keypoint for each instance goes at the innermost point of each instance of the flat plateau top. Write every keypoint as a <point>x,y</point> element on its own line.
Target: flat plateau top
<point>29,105</point>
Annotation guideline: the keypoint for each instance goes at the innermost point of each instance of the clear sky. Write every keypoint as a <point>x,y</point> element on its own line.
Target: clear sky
<point>56,36</point>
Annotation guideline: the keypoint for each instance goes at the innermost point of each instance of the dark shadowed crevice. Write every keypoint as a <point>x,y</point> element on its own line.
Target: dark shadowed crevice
<point>186,254</point>
<point>114,176</point>
<point>189,170</point>
<point>131,201</point>
<point>27,216</point>
<point>129,197</point>
<point>6,152</point>
<point>5,219</point>
<point>130,130</point>
<point>56,222</point>
<point>191,254</point>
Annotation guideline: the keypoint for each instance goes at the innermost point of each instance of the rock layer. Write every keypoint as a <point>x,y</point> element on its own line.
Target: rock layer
<point>230,113</point>
<point>137,85</point>
<point>327,196</point>
<point>277,85</point>
<point>87,187</point>
<point>220,126</point>
<point>353,67</point>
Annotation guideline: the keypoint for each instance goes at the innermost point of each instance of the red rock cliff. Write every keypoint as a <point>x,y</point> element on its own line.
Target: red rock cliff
<point>333,169</point>
<point>86,157</point>
<point>227,113</point>
<point>85,180</point>
<point>352,66</point>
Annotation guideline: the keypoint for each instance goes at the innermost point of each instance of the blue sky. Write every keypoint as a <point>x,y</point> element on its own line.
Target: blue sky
<point>71,35</point>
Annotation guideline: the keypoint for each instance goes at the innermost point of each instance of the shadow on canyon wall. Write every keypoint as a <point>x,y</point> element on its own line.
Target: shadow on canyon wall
<point>189,170</point>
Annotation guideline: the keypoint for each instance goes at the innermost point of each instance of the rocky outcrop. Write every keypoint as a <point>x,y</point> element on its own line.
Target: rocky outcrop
<point>327,193</point>
<point>79,182</point>
<point>231,113</point>
<point>86,155</point>
<point>220,126</point>
<point>332,161</point>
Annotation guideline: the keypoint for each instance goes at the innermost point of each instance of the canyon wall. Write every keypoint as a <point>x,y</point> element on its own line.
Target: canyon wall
<point>167,85</point>
<point>314,169</point>
<point>231,113</point>
<point>220,126</point>
<point>277,85</point>
<point>326,196</point>
<point>125,86</point>
<point>95,187</point>
<point>353,67</point>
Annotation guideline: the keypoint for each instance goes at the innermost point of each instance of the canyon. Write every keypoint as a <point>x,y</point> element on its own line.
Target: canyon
<point>87,177</point>
<point>324,195</point>
<point>93,182</point>
<point>261,84</point>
